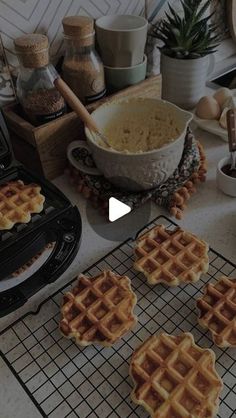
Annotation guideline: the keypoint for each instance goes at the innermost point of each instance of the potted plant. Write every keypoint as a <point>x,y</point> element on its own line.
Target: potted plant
<point>187,42</point>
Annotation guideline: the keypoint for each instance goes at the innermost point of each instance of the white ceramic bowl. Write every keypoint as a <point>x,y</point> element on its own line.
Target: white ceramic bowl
<point>225,183</point>
<point>144,170</point>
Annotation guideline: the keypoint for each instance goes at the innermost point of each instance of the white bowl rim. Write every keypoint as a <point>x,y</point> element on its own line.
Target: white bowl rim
<point>134,17</point>
<point>136,154</point>
<point>144,61</point>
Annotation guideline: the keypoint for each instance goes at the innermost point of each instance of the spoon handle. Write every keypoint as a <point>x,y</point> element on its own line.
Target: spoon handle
<point>231,125</point>
<point>75,104</point>
<point>79,108</point>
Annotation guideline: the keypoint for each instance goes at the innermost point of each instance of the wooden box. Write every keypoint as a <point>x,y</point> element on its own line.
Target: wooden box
<point>42,149</point>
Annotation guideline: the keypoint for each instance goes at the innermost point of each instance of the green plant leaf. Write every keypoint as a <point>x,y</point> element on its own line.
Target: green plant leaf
<point>189,35</point>
<point>203,9</point>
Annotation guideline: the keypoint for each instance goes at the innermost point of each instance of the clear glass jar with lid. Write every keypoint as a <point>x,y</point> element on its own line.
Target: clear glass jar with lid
<point>82,68</point>
<point>35,88</point>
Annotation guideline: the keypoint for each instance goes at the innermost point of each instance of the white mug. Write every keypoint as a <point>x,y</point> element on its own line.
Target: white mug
<point>121,39</point>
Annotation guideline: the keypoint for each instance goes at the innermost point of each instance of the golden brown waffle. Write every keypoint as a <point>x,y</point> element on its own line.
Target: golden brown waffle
<point>171,257</point>
<point>218,311</point>
<point>174,378</point>
<point>18,201</point>
<point>98,310</point>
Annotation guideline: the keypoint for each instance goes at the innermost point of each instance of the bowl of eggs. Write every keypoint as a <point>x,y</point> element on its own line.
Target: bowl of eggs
<point>210,113</point>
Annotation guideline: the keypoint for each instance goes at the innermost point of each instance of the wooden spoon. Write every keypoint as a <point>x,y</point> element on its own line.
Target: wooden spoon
<point>75,104</point>
<point>231,125</point>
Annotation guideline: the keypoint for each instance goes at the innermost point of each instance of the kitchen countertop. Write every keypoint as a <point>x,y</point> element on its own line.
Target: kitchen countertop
<point>210,214</point>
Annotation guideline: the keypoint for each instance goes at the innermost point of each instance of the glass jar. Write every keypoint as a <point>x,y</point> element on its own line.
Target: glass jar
<point>35,88</point>
<point>82,68</point>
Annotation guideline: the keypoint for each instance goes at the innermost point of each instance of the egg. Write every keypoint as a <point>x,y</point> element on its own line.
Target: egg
<point>230,103</point>
<point>208,108</point>
<point>222,95</point>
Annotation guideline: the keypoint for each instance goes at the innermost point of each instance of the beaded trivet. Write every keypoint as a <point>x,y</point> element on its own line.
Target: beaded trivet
<point>172,195</point>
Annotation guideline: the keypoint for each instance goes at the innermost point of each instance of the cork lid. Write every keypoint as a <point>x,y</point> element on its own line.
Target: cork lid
<point>32,50</point>
<point>78,26</point>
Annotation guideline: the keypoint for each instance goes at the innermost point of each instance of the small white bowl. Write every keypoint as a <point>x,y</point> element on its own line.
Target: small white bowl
<point>225,183</point>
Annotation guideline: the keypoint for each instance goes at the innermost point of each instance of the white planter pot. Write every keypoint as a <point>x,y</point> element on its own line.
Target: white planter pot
<point>184,80</point>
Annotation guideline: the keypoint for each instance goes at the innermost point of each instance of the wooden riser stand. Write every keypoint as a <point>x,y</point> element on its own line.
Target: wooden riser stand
<point>42,149</point>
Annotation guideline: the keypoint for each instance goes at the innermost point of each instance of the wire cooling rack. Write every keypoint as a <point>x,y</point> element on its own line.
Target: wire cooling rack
<point>64,380</point>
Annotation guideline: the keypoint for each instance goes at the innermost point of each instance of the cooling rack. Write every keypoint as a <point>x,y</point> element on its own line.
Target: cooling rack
<point>63,380</point>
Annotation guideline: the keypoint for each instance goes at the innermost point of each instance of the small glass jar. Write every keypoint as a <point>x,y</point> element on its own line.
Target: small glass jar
<point>82,68</point>
<point>35,88</point>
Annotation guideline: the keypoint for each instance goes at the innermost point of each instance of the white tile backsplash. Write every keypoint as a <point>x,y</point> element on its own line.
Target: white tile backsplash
<point>18,17</point>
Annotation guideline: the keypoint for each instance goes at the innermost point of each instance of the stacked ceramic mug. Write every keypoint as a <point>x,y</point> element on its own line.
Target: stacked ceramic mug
<point>121,40</point>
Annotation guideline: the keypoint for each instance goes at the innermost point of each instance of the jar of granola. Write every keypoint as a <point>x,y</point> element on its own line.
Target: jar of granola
<point>36,92</point>
<point>82,68</point>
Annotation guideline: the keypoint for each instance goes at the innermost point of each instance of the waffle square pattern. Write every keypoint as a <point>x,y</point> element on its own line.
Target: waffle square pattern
<point>217,309</point>
<point>17,202</point>
<point>99,309</point>
<point>175,378</point>
<point>171,257</point>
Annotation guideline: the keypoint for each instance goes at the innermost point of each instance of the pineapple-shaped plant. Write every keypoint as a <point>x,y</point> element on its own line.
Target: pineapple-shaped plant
<point>191,35</point>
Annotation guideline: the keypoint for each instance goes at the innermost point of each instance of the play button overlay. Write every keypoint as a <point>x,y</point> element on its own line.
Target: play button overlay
<point>117,209</point>
<point>124,213</point>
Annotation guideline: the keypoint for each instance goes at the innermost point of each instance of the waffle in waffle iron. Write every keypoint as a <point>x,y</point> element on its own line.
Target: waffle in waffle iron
<point>33,213</point>
<point>18,201</point>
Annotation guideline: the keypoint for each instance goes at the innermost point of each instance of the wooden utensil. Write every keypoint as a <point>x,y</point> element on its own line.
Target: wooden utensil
<point>231,125</point>
<point>75,104</point>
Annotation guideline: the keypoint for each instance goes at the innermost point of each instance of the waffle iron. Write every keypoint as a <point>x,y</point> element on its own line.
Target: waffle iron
<point>59,223</point>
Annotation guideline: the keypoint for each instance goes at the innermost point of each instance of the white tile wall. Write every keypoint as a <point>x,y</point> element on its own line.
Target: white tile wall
<point>18,17</point>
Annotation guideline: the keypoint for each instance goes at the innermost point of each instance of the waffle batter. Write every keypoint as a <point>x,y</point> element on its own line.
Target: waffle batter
<point>136,133</point>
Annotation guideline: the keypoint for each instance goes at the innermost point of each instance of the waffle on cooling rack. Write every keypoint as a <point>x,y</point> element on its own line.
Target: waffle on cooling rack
<point>218,311</point>
<point>174,378</point>
<point>18,201</point>
<point>98,310</point>
<point>171,257</point>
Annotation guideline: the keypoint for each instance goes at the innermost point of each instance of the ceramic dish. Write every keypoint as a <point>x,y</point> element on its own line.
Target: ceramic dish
<point>121,39</point>
<point>118,78</point>
<point>211,126</point>
<point>135,171</point>
<point>225,183</point>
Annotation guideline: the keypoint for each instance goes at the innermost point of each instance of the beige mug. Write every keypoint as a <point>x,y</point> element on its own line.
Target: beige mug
<point>121,39</point>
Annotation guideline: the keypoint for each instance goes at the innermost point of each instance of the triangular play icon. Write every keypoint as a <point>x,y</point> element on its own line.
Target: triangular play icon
<point>117,209</point>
